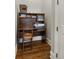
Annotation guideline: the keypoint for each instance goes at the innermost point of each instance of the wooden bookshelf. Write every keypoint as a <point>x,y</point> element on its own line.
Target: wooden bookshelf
<point>32,24</point>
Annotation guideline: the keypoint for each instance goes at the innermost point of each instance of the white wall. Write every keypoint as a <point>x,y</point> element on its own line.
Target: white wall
<point>33,5</point>
<point>49,9</point>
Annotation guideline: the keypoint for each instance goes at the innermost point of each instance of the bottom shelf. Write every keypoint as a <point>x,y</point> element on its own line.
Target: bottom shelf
<point>34,38</point>
<point>27,42</point>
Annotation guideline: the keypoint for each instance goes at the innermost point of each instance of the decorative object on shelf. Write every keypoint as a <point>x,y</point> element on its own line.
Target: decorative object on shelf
<point>23,8</point>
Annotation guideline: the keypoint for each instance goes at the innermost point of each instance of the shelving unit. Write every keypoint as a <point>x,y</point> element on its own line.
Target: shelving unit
<point>31,26</point>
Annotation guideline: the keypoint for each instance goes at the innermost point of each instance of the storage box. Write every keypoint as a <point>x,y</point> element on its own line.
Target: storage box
<point>36,38</point>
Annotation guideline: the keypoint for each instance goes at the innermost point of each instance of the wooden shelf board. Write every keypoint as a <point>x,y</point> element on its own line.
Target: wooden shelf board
<point>25,29</point>
<point>32,13</point>
<point>26,17</point>
<point>32,29</point>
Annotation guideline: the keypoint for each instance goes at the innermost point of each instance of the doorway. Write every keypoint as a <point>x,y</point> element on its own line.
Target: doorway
<point>51,10</point>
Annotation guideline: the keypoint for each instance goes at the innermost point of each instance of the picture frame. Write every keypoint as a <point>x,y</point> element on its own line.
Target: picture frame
<point>23,8</point>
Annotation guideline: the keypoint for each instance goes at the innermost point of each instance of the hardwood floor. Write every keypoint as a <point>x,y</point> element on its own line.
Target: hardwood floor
<point>37,51</point>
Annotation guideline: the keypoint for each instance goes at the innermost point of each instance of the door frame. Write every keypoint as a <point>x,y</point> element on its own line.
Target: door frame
<point>59,30</point>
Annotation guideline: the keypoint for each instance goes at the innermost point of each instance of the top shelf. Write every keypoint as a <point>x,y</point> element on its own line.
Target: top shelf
<point>40,17</point>
<point>32,13</point>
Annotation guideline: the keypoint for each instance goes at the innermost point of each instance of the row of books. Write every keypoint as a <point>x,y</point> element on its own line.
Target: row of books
<point>39,17</point>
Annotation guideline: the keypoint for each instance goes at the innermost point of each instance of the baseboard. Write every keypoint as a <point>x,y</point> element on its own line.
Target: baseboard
<point>49,41</point>
<point>52,55</point>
